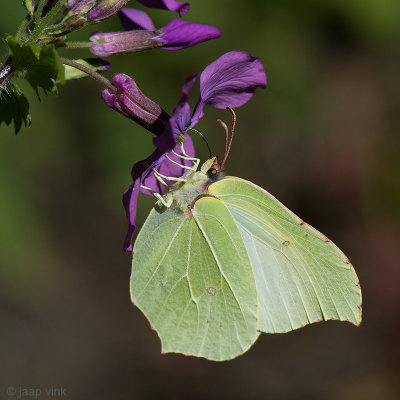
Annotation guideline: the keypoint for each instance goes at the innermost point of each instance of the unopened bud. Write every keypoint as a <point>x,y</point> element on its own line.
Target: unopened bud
<point>76,21</point>
<point>105,9</point>
<point>29,5</point>
<point>132,103</point>
<point>109,43</point>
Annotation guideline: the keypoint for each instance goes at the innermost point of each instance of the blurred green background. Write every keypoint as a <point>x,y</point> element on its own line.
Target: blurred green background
<point>323,138</point>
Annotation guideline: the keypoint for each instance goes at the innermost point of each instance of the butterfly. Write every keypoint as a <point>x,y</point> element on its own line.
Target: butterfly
<point>222,260</point>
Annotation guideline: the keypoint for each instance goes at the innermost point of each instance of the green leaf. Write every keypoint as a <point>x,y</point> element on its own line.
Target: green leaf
<point>14,107</point>
<point>95,64</point>
<point>40,65</point>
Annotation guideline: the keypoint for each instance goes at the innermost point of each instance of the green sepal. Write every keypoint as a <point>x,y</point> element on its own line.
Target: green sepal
<point>14,106</point>
<point>95,64</point>
<point>40,65</point>
<point>29,6</point>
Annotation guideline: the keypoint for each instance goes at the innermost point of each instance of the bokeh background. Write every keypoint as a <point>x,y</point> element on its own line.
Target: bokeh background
<point>323,138</point>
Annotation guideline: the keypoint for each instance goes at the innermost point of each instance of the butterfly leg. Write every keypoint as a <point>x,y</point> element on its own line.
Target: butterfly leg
<point>160,177</point>
<point>182,166</point>
<point>164,201</point>
<point>185,156</point>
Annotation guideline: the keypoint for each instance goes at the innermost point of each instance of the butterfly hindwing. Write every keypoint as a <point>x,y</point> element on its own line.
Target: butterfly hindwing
<point>193,280</point>
<point>301,276</point>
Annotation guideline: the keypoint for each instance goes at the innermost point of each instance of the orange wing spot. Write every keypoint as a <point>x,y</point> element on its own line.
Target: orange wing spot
<point>211,291</point>
<point>326,240</point>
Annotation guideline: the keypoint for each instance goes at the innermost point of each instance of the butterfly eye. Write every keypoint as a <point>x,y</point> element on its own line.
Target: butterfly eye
<point>212,172</point>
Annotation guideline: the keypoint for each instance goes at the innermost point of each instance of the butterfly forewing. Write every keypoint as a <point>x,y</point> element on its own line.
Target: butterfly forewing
<point>301,276</point>
<point>193,280</point>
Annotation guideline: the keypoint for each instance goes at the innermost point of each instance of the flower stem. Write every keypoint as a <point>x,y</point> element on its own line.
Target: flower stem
<point>22,28</point>
<point>77,45</point>
<point>5,70</point>
<point>93,74</point>
<point>45,21</point>
<point>38,13</point>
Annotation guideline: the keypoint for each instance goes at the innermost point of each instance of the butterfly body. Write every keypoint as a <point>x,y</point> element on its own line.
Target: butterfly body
<point>196,183</point>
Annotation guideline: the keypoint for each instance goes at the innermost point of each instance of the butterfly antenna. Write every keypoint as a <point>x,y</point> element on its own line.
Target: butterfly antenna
<point>228,140</point>
<point>204,139</point>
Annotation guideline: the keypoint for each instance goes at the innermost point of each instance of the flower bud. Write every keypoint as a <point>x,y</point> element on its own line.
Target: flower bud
<point>78,10</point>
<point>107,44</point>
<point>29,6</point>
<point>105,9</point>
<point>82,7</point>
<point>132,103</point>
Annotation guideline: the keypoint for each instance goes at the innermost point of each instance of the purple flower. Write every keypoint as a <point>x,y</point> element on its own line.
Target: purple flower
<point>229,81</point>
<point>143,175</point>
<point>141,35</point>
<point>172,5</point>
<point>131,102</point>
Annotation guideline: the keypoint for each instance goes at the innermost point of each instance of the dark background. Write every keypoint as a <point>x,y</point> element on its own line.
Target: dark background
<point>323,138</point>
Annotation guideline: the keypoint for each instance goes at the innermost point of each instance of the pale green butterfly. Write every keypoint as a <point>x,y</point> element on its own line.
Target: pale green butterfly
<point>220,260</point>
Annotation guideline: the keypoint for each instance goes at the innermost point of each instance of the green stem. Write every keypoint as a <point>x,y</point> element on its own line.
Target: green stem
<point>93,74</point>
<point>77,45</point>
<point>39,11</point>
<point>45,21</point>
<point>22,28</point>
<point>56,28</point>
<point>5,69</point>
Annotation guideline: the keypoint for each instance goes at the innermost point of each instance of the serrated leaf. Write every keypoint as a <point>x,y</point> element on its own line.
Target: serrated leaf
<point>95,64</point>
<point>14,107</point>
<point>40,65</point>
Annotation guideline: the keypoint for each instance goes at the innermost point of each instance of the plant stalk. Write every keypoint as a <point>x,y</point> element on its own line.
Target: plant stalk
<point>93,74</point>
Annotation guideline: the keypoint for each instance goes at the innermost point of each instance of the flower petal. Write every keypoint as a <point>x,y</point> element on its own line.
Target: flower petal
<point>180,34</point>
<point>135,19</point>
<point>140,171</point>
<point>172,5</point>
<point>168,168</point>
<point>231,79</point>
<point>179,121</point>
<point>129,200</point>
<point>181,118</point>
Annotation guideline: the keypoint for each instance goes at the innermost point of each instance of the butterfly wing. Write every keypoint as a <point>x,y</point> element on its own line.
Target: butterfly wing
<point>193,280</point>
<point>301,276</point>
